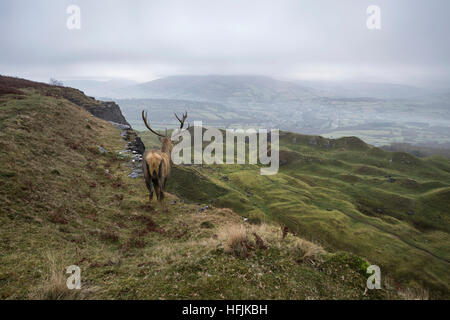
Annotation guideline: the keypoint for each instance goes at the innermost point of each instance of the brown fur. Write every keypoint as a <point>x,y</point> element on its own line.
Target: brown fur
<point>156,165</point>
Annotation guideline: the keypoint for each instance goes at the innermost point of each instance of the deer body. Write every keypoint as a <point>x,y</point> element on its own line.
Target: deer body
<point>156,164</point>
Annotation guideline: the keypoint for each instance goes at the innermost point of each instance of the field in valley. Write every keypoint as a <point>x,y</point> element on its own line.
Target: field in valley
<point>389,207</point>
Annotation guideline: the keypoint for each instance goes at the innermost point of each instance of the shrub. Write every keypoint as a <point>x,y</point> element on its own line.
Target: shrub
<point>235,240</point>
<point>54,285</point>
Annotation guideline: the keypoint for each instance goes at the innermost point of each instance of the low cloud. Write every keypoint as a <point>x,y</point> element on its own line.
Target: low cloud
<point>144,40</point>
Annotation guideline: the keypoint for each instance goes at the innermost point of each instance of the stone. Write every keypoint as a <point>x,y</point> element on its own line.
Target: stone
<point>136,173</point>
<point>204,208</point>
<point>101,150</point>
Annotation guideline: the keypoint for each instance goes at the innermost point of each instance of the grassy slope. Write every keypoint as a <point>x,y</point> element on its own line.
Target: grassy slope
<point>338,193</point>
<point>59,207</point>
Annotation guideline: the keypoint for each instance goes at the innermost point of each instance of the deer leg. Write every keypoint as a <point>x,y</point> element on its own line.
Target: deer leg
<point>150,196</point>
<point>158,192</point>
<point>150,190</point>
<point>161,196</point>
<point>148,180</point>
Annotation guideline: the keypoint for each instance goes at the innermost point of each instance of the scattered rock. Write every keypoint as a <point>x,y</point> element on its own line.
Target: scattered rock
<point>126,151</point>
<point>137,145</point>
<point>137,172</point>
<point>102,150</point>
<point>137,158</point>
<point>204,208</point>
<point>120,125</point>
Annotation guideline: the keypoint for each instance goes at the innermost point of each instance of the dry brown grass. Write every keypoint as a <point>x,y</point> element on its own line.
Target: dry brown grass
<point>411,292</point>
<point>235,240</point>
<point>54,285</point>
<point>308,251</point>
<point>240,239</point>
<point>414,294</point>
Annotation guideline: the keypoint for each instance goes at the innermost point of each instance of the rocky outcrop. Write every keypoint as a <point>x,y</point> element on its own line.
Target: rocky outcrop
<point>108,110</point>
<point>135,148</point>
<point>135,144</point>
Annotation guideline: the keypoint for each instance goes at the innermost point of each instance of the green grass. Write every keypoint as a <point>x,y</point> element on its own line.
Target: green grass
<point>389,207</point>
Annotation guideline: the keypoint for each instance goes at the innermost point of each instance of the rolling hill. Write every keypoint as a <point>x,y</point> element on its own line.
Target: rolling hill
<point>344,194</point>
<point>231,90</point>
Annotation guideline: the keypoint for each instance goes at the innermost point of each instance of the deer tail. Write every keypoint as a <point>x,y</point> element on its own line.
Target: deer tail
<point>154,166</point>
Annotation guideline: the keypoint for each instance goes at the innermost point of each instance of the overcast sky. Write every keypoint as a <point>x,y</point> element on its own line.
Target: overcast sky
<point>309,39</point>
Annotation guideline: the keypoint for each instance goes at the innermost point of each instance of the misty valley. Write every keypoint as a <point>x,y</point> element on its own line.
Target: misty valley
<point>379,114</point>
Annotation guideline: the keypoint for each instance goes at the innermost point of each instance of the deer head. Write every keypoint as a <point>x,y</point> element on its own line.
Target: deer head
<point>165,139</point>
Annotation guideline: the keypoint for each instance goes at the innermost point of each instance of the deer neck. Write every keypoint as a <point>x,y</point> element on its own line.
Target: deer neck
<point>166,147</point>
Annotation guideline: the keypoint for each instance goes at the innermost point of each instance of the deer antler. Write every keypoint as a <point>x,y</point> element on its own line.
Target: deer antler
<point>144,117</point>
<point>183,119</point>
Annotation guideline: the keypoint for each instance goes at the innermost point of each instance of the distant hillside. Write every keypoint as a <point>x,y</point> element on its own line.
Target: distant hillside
<point>161,112</point>
<point>232,90</point>
<point>345,89</point>
<point>380,114</point>
<point>424,150</point>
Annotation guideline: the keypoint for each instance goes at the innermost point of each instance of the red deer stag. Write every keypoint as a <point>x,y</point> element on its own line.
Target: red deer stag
<point>156,163</point>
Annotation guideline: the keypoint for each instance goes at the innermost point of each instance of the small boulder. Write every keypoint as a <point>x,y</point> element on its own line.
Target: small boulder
<point>204,208</point>
<point>136,173</point>
<point>101,150</point>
